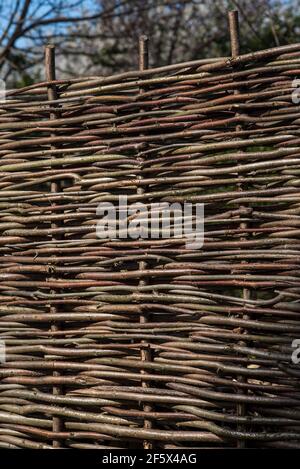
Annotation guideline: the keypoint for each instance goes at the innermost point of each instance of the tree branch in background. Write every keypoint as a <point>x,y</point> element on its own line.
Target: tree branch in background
<point>101,37</point>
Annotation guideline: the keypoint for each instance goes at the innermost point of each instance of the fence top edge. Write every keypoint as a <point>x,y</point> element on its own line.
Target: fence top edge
<point>203,65</point>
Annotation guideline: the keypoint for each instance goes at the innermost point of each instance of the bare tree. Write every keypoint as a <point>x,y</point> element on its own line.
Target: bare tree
<point>101,37</point>
<point>178,31</point>
<point>27,25</point>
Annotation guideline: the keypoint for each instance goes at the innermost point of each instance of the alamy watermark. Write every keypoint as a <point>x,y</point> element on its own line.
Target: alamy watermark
<point>296,352</point>
<point>296,91</point>
<point>2,351</point>
<point>157,220</point>
<point>2,91</point>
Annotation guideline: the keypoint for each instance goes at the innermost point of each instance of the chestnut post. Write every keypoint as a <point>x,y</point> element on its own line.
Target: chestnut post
<point>55,186</point>
<point>233,19</point>
<point>145,347</point>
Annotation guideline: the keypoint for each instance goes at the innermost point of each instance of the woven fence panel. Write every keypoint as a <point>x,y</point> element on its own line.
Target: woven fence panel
<point>121,343</point>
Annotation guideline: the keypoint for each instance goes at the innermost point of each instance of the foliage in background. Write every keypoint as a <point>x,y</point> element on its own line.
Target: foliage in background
<point>100,36</point>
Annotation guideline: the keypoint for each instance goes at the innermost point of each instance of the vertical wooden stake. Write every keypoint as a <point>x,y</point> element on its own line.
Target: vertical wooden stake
<point>143,53</point>
<point>234,29</point>
<point>57,424</point>
<point>145,350</point>
<point>233,19</point>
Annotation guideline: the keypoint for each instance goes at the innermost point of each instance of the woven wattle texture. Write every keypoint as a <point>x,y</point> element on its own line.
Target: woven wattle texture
<point>132,343</point>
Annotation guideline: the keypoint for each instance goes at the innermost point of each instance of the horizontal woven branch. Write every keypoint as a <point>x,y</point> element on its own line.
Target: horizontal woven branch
<point>124,343</point>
